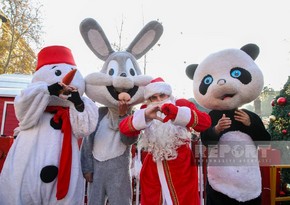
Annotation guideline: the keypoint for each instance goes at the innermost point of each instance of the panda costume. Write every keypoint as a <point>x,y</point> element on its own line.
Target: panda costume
<point>222,83</point>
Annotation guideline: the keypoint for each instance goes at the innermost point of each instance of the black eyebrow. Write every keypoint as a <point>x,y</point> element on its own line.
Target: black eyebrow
<point>53,67</point>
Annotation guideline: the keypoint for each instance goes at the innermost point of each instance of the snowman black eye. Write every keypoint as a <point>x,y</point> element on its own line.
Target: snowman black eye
<point>57,72</point>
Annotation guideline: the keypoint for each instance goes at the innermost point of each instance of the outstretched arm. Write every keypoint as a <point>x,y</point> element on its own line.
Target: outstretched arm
<point>132,125</point>
<point>127,128</point>
<point>185,113</point>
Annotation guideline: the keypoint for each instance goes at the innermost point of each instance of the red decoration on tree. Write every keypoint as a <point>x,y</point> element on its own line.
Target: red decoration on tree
<point>273,102</point>
<point>282,193</point>
<point>284,132</point>
<point>282,101</point>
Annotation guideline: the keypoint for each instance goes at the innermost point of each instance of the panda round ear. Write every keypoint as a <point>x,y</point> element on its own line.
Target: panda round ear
<point>252,50</point>
<point>190,70</point>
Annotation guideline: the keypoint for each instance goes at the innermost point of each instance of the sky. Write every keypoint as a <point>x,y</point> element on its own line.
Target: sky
<point>193,29</point>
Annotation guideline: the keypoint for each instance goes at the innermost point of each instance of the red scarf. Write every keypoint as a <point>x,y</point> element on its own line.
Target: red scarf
<point>66,151</point>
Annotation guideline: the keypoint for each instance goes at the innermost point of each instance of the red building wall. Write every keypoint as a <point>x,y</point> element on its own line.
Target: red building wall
<point>8,123</point>
<point>5,144</point>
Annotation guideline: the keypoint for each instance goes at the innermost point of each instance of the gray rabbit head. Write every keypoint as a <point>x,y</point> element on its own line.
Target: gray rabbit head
<point>120,71</point>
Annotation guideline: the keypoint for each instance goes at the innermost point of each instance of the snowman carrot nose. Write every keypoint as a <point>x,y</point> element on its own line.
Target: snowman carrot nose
<point>69,77</point>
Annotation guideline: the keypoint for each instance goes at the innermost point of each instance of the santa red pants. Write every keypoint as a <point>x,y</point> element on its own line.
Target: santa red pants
<point>172,182</point>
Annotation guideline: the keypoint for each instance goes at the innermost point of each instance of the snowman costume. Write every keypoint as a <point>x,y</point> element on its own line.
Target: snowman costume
<point>43,164</point>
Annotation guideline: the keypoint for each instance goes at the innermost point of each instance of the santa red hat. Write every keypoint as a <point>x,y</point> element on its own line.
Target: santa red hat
<point>157,85</point>
<point>54,55</point>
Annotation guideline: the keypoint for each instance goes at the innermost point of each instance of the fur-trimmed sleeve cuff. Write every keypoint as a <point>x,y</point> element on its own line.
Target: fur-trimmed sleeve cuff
<point>183,116</point>
<point>139,121</point>
<point>126,127</point>
<point>199,121</point>
<point>133,124</point>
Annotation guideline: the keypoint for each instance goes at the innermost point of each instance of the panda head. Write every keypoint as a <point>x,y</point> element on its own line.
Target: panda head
<point>227,79</point>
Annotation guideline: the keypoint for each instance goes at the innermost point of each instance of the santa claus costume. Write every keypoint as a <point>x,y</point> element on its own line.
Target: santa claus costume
<point>169,173</point>
<point>43,165</point>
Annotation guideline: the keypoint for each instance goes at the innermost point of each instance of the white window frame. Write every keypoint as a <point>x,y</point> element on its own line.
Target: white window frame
<point>6,103</point>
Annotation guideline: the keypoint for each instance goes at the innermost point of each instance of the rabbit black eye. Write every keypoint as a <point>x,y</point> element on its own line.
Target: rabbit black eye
<point>57,72</point>
<point>130,69</point>
<point>113,68</point>
<point>111,72</point>
<point>132,72</point>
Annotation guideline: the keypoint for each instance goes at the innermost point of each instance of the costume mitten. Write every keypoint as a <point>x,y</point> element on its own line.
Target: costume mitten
<point>77,101</point>
<point>54,89</point>
<point>170,111</point>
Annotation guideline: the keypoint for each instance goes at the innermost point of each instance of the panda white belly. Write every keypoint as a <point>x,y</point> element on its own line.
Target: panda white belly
<point>233,167</point>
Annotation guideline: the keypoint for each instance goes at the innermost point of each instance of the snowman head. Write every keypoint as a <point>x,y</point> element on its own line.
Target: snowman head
<point>53,63</point>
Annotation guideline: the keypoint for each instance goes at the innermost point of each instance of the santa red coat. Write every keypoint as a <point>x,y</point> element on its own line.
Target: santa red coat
<point>174,181</point>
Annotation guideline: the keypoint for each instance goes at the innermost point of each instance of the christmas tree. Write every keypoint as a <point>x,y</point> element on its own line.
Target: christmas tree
<point>279,128</point>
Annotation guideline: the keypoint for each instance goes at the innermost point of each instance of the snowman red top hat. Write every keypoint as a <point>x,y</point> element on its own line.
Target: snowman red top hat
<point>157,85</point>
<point>54,55</point>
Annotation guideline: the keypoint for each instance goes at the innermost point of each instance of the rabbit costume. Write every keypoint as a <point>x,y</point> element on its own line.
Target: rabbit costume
<point>105,154</point>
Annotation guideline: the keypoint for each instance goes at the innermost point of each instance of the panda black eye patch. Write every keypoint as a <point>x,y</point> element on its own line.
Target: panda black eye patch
<point>205,83</point>
<point>241,74</point>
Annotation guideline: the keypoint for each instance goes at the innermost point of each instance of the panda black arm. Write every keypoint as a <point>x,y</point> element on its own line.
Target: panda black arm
<point>257,129</point>
<point>210,136</point>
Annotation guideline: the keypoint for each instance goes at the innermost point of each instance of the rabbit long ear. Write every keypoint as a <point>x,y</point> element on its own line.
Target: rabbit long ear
<point>145,39</point>
<point>95,38</point>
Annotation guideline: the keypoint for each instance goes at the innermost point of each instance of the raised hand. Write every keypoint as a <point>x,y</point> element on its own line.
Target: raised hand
<point>151,113</point>
<point>55,89</point>
<point>61,90</point>
<point>242,117</point>
<point>123,105</point>
<point>170,111</point>
<point>76,100</point>
<point>223,123</point>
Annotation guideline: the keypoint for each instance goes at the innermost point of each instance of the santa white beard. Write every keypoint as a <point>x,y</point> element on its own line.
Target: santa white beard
<point>163,139</point>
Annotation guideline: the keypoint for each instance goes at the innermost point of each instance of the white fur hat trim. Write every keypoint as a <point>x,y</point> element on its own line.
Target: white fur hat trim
<point>157,86</point>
